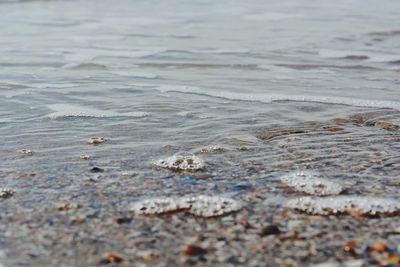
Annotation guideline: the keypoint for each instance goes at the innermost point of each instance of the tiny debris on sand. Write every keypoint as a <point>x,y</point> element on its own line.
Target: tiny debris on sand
<point>97,140</point>
<point>311,183</point>
<point>353,205</point>
<point>182,161</point>
<point>85,157</point>
<point>211,149</point>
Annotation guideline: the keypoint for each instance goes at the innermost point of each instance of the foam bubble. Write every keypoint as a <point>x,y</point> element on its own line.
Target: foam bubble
<point>358,205</point>
<point>311,183</point>
<point>159,205</point>
<point>211,206</point>
<point>202,206</point>
<point>182,161</point>
<point>68,110</point>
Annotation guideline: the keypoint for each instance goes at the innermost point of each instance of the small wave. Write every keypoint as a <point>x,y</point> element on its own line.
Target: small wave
<point>85,65</point>
<point>62,111</point>
<point>268,98</point>
<point>136,74</point>
<point>328,66</point>
<point>385,33</point>
<point>355,55</point>
<point>200,66</point>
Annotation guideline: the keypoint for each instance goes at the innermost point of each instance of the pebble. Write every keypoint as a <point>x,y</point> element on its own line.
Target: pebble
<point>148,255</point>
<point>212,149</point>
<point>97,140</point>
<point>6,192</point>
<point>192,250</point>
<point>111,257</point>
<point>96,170</point>
<point>270,230</point>
<point>27,152</point>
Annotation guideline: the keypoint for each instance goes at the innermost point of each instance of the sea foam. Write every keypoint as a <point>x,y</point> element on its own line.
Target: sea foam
<point>69,110</point>
<point>268,98</point>
<point>311,183</point>
<point>353,205</point>
<point>182,161</point>
<point>202,205</point>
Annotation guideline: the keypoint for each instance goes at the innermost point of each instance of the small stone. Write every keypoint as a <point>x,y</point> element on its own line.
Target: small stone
<point>69,206</point>
<point>211,149</point>
<point>270,230</point>
<point>123,220</point>
<point>96,170</point>
<point>192,250</point>
<point>110,257</point>
<point>85,157</point>
<point>379,247</point>
<point>148,255</point>
<point>393,260</point>
<point>6,192</point>
<point>350,247</point>
<point>97,140</point>
<point>27,152</point>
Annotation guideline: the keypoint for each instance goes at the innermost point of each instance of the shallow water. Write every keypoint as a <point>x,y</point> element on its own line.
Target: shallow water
<point>159,78</point>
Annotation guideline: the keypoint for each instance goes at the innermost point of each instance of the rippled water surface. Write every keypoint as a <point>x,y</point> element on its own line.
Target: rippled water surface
<point>277,86</point>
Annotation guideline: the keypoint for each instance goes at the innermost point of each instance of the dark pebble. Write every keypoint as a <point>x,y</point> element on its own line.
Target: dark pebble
<point>270,230</point>
<point>96,170</point>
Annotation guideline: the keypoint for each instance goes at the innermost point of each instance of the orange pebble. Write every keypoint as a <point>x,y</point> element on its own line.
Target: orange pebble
<point>379,247</point>
<point>350,247</point>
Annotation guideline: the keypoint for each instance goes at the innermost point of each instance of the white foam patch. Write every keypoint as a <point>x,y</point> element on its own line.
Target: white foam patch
<point>159,205</point>
<point>360,205</point>
<point>202,206</point>
<point>311,183</point>
<point>211,206</point>
<point>68,110</point>
<point>268,98</point>
<point>182,161</point>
